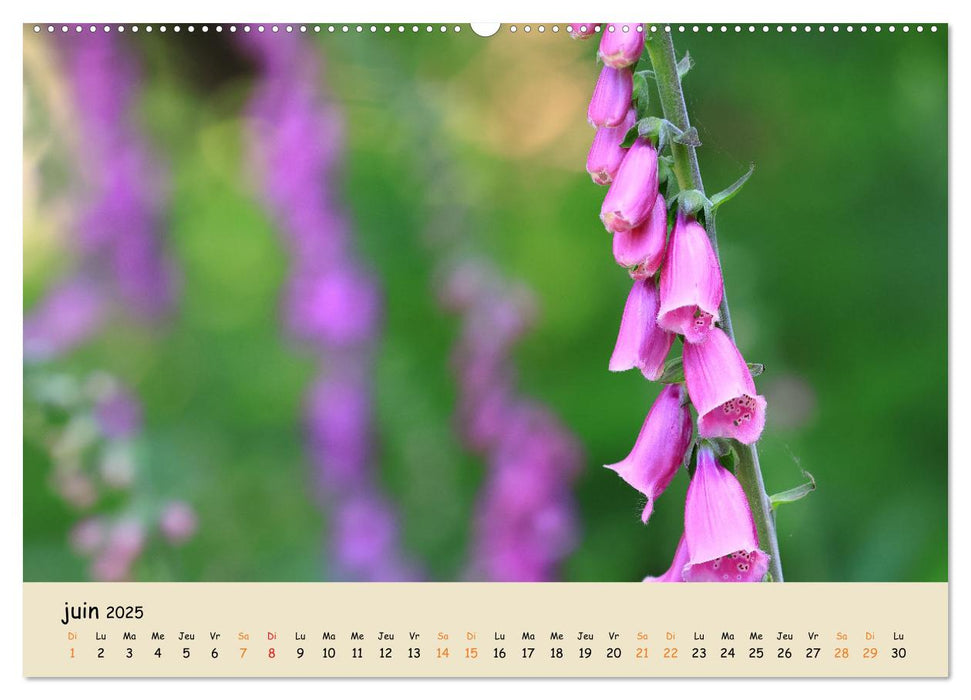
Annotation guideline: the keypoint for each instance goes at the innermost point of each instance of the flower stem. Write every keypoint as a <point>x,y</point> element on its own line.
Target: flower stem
<point>660,49</point>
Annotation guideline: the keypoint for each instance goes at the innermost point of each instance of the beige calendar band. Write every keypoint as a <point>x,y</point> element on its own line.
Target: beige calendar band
<point>601,629</point>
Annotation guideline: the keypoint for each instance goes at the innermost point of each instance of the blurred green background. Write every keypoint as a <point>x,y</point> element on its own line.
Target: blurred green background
<point>834,255</point>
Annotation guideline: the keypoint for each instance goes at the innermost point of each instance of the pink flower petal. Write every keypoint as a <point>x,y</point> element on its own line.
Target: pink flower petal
<point>659,449</point>
<point>691,282</point>
<point>722,390</point>
<point>718,527</point>
<point>640,343</point>
<point>641,249</point>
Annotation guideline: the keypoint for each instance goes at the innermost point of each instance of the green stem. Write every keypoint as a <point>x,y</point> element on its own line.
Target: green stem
<point>660,49</point>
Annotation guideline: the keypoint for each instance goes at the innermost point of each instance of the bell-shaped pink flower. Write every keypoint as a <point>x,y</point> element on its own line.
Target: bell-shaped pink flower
<point>611,97</point>
<point>718,527</point>
<point>660,447</point>
<point>606,155</point>
<point>640,343</point>
<point>582,30</point>
<point>675,572</point>
<point>691,282</point>
<point>633,192</point>
<point>722,390</point>
<point>621,45</point>
<point>641,249</point>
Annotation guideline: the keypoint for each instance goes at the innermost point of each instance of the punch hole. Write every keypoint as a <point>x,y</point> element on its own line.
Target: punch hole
<point>484,28</point>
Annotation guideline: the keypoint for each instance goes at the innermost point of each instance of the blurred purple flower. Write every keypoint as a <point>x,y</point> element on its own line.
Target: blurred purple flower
<point>119,413</point>
<point>121,217</point>
<point>525,521</point>
<point>124,542</point>
<point>72,312</point>
<point>331,302</point>
<point>178,522</point>
<point>338,307</point>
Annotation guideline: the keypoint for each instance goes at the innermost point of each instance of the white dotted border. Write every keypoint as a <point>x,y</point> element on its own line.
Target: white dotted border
<point>443,29</point>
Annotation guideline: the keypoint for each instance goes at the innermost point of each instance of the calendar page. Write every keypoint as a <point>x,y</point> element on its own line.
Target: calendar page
<point>566,349</point>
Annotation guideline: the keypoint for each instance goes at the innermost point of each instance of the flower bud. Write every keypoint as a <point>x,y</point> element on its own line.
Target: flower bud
<point>718,527</point>
<point>722,390</point>
<point>611,97</point>
<point>606,153</point>
<point>640,343</point>
<point>633,192</point>
<point>660,447</point>
<point>691,282</point>
<point>581,30</point>
<point>621,45</point>
<point>641,249</point>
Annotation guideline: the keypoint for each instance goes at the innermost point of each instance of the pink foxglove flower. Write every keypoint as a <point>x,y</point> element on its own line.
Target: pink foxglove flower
<point>660,447</point>
<point>611,97</point>
<point>691,282</point>
<point>641,249</point>
<point>582,30</point>
<point>675,572</point>
<point>722,390</point>
<point>640,343</point>
<point>633,192</point>
<point>620,48</point>
<point>606,155</point>
<point>718,527</point>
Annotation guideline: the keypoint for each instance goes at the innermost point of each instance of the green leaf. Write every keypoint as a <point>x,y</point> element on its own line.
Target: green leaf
<point>684,65</point>
<point>650,127</point>
<point>794,494</point>
<point>665,170</point>
<point>692,201</point>
<point>673,371</point>
<point>720,446</point>
<point>688,138</point>
<point>630,138</point>
<point>648,73</point>
<point>689,454</point>
<point>726,194</point>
